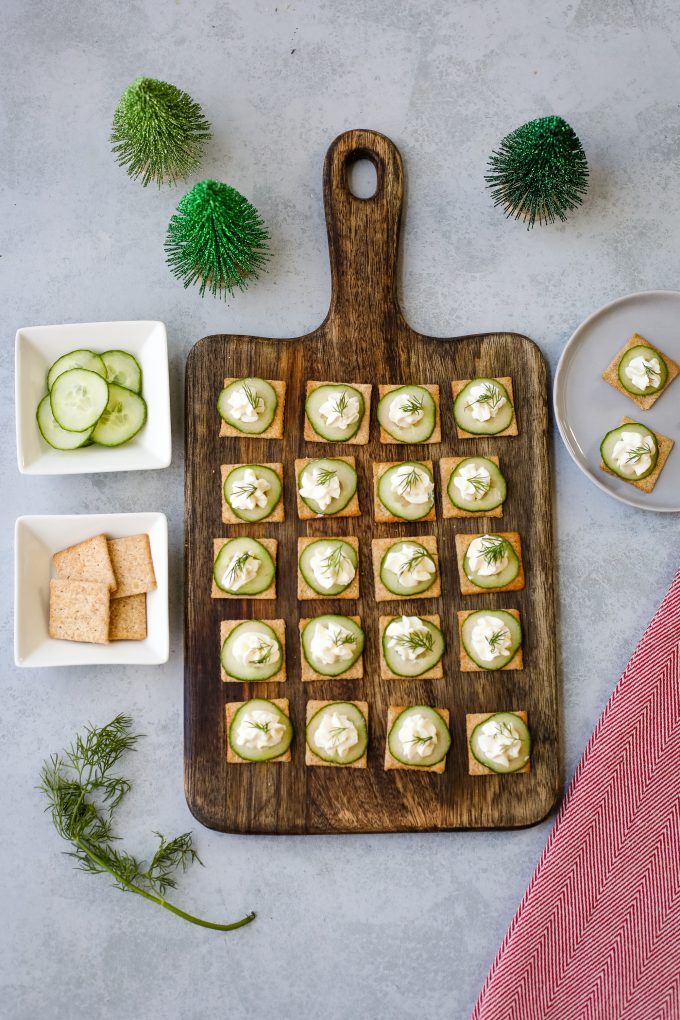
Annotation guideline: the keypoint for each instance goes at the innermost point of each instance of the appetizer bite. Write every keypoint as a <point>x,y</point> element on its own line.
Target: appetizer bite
<point>409,414</point>
<point>406,568</point>
<point>498,742</point>
<point>418,737</point>
<point>472,487</point>
<point>253,407</point>
<point>258,730</point>
<point>253,650</point>
<point>337,413</point>
<point>328,568</point>
<point>484,407</point>
<point>634,453</point>
<point>251,493</point>
<point>326,487</point>
<point>641,372</point>
<point>490,639</point>
<point>403,491</point>
<point>337,733</point>
<point>332,646</point>
<point>244,568</point>
<point>490,561</point>
<point>411,647</point>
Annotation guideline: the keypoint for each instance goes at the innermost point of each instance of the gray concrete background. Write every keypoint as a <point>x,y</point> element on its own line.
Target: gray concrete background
<point>396,926</point>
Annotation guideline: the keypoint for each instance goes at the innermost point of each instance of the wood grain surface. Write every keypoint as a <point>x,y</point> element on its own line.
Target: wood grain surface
<point>365,338</point>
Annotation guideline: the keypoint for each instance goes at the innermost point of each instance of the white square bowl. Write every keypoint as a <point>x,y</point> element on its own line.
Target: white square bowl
<point>36,539</point>
<point>38,347</point>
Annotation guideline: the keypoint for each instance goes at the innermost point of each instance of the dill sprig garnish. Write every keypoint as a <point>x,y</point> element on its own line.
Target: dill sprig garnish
<point>252,396</point>
<point>332,564</point>
<point>336,734</point>
<point>237,567</point>
<point>83,793</point>
<point>480,484</point>
<point>493,640</point>
<point>413,404</point>
<point>490,395</point>
<point>408,481</point>
<point>263,727</point>
<point>419,741</point>
<point>409,565</point>
<point>416,640</point>
<point>637,453</point>
<point>247,489</point>
<point>493,549</point>
<point>324,476</point>
<point>341,403</point>
<point>340,637</point>
<point>264,650</point>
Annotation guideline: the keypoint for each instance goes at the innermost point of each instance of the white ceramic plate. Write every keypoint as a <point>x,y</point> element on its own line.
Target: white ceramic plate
<point>36,539</point>
<point>586,407</point>
<point>38,347</point>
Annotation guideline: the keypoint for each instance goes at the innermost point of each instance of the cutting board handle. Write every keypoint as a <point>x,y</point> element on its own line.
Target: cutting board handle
<point>363,234</point>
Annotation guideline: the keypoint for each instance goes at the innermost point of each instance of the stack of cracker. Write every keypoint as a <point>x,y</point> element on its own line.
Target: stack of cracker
<point>99,591</point>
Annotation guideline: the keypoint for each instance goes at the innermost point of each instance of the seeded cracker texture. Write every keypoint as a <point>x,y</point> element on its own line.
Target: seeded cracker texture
<point>228,515</point>
<point>447,465</point>
<point>475,768</point>
<point>132,565</point>
<point>305,513</point>
<point>611,374</point>
<point>466,585</point>
<point>87,561</point>
<point>279,628</point>
<point>127,618</point>
<point>271,545</point>
<point>437,671</point>
<point>646,484</point>
<point>381,546</point>
<point>381,513</point>
<point>505,380</point>
<point>468,665</point>
<point>433,390</point>
<point>307,671</point>
<point>360,438</point>
<point>275,430</point>
<point>231,708</point>
<point>313,759</point>
<point>305,591</point>
<point>393,713</point>
<point>79,611</point>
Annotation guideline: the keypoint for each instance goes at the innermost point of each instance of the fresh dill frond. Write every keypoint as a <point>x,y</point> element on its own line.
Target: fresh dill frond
<point>408,481</point>
<point>493,549</point>
<point>637,453</point>
<point>332,564</point>
<point>264,650</point>
<point>247,489</point>
<point>416,640</point>
<point>237,567</point>
<point>409,565</point>
<point>493,640</point>
<point>418,741</point>
<point>324,476</point>
<point>339,638</point>
<point>490,395</point>
<point>413,404</point>
<point>480,484</point>
<point>336,734</point>
<point>341,403</point>
<point>252,396</point>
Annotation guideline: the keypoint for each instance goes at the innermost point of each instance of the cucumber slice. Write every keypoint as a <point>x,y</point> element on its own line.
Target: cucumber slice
<point>239,484</point>
<point>233,562</point>
<point>54,434</point>
<point>427,636</point>
<point>498,622</point>
<point>334,556</point>
<point>268,654</point>
<point>416,400</point>
<point>346,710</point>
<point>517,726</point>
<point>492,393</point>
<point>78,398</point>
<point>437,744</point>
<point>497,547</point>
<point>642,351</point>
<point>76,359</point>
<point>123,417</point>
<point>350,637</point>
<point>340,397</point>
<point>323,471</point>
<point>123,370</point>
<point>406,477</point>
<point>611,439</point>
<point>260,397</point>
<point>493,490</point>
<point>414,554</point>
<point>262,753</point>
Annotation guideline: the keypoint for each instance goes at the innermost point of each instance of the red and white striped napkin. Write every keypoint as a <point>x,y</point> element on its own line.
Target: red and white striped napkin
<point>597,934</point>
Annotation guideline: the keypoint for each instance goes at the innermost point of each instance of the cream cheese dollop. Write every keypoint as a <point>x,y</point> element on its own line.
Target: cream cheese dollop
<point>331,642</point>
<point>337,733</point>
<point>400,634</point>
<point>467,490</point>
<point>412,483</point>
<point>490,403</point>
<point>418,736</point>
<point>410,565</point>
<point>249,492</point>
<point>243,406</point>
<point>239,571</point>
<point>490,638</point>
<point>258,729</point>
<point>319,486</point>
<point>406,409</point>
<point>645,373</point>
<point>500,742</point>
<point>340,411</point>
<point>477,556</point>
<point>253,648</point>
<point>633,453</point>
<point>331,566</point>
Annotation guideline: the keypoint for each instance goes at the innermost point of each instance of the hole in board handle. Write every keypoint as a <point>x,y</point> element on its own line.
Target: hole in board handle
<point>361,175</point>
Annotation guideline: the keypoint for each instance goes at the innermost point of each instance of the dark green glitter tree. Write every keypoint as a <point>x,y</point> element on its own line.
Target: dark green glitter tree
<point>216,238</point>
<point>159,132</point>
<point>539,172</point>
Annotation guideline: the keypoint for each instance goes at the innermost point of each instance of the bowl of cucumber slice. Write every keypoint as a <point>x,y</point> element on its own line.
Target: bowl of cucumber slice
<point>92,397</point>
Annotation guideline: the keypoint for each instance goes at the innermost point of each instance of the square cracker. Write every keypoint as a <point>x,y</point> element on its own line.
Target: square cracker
<point>127,618</point>
<point>313,759</point>
<point>305,591</point>
<point>279,628</point>
<point>304,512</point>
<point>447,465</point>
<point>393,713</point>
<point>433,390</point>
<point>505,380</point>
<point>231,709</point>
<point>228,515</point>
<point>381,513</point>
<point>360,438</point>
<point>271,546</point>
<point>646,484</point>
<point>436,673</point>
<point>275,430</point>
<point>468,665</point>
<point>475,768</point>
<point>466,585</point>
<point>132,565</point>
<point>87,561</point>
<point>611,374</point>
<point>79,611</point>
<point>381,547</point>
<point>307,672</point>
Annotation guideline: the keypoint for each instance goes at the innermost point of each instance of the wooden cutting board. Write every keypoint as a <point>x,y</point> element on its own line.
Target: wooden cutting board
<point>365,338</point>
